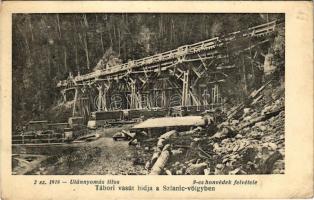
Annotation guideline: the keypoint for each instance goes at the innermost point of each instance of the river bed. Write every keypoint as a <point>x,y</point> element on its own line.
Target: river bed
<point>99,157</point>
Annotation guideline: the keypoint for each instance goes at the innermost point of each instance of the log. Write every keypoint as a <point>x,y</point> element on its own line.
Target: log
<point>155,157</point>
<point>167,135</point>
<point>262,118</point>
<point>252,98</point>
<point>163,139</point>
<point>161,161</point>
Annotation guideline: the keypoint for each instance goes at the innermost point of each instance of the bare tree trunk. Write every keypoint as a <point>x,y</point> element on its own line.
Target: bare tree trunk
<point>184,29</point>
<point>59,28</point>
<point>114,32</point>
<point>160,26</point>
<point>76,58</point>
<point>30,26</point>
<point>102,44</point>
<point>29,52</point>
<point>76,47</point>
<point>49,62</point>
<point>119,34</point>
<point>86,52</point>
<point>85,42</point>
<point>65,59</point>
<point>111,41</point>
<point>109,31</point>
<point>171,33</point>
<point>85,21</point>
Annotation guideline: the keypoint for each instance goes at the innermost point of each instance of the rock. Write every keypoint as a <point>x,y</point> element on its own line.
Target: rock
<point>207,171</point>
<point>219,166</point>
<point>258,124</point>
<point>148,165</point>
<point>192,161</point>
<point>248,118</point>
<point>196,169</point>
<point>272,146</point>
<point>263,128</point>
<point>216,146</point>
<point>249,154</point>
<point>168,172</point>
<point>179,172</point>
<point>235,122</point>
<point>268,165</point>
<point>238,136</point>
<point>266,109</point>
<point>219,169</point>
<point>279,166</point>
<point>235,148</point>
<point>264,150</point>
<point>176,152</point>
<point>254,115</point>
<point>246,110</point>
<point>234,172</point>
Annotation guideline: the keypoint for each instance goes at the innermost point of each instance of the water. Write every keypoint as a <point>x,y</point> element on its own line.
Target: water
<point>102,156</point>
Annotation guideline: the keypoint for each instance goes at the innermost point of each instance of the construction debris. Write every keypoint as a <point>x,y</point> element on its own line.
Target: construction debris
<point>249,141</point>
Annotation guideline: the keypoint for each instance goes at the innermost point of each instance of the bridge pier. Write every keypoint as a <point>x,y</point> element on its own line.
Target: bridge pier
<point>135,95</point>
<point>102,96</point>
<point>178,77</point>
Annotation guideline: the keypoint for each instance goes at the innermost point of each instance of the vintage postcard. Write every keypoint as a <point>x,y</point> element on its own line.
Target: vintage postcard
<point>159,100</point>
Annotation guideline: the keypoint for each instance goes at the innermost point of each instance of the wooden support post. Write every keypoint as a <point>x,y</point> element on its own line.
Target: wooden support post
<point>63,92</point>
<point>195,99</point>
<point>135,96</point>
<point>205,96</point>
<point>75,102</point>
<point>164,94</point>
<point>100,96</point>
<point>104,99</point>
<point>139,100</point>
<point>185,89</point>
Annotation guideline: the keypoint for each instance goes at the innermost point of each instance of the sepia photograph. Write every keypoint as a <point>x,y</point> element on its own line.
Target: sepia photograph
<point>148,93</point>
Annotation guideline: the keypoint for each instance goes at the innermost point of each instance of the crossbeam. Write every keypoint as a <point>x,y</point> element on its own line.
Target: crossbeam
<point>168,59</point>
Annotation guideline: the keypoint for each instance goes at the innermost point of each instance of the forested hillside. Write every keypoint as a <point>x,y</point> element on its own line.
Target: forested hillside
<point>47,47</point>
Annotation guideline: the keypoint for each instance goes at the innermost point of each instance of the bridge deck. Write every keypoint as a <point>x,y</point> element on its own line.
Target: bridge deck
<point>170,58</point>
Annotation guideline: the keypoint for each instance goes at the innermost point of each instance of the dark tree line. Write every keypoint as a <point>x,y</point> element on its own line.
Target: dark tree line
<point>47,47</point>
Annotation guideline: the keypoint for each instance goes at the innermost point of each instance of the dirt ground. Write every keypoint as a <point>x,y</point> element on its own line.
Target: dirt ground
<point>102,156</point>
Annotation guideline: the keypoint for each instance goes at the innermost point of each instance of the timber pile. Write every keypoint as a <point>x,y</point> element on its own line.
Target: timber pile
<point>249,142</point>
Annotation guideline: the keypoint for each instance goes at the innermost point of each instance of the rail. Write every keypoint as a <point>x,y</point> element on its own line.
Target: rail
<point>45,138</point>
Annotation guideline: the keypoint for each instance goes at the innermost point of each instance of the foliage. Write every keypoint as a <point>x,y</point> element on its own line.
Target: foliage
<point>46,47</point>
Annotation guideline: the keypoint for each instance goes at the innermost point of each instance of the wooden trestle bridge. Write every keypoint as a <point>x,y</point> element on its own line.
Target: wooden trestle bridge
<point>191,75</point>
